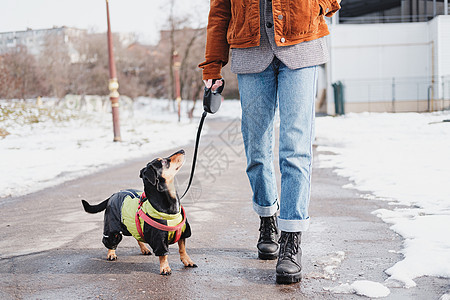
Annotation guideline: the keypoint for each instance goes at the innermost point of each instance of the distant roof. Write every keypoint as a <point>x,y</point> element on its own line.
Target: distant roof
<point>43,29</point>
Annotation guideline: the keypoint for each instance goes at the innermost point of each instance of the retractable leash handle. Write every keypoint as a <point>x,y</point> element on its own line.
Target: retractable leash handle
<point>213,99</point>
<point>211,104</point>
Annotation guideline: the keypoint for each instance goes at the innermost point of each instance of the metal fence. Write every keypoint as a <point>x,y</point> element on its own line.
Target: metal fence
<point>397,94</point>
<point>385,19</point>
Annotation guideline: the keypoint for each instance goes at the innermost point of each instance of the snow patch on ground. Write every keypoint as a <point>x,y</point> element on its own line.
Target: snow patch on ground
<point>328,264</point>
<point>401,158</point>
<point>366,288</point>
<point>445,297</point>
<point>423,250</point>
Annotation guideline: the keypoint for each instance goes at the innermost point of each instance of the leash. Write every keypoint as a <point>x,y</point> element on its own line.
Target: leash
<point>211,104</point>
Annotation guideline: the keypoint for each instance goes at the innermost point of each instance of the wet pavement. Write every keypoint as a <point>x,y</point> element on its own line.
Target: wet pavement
<point>51,249</point>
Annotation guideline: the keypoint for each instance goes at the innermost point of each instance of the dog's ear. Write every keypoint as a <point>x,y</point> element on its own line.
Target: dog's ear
<point>161,185</point>
<point>149,174</point>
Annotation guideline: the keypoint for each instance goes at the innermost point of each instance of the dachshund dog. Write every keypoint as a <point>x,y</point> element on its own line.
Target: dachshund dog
<point>154,216</point>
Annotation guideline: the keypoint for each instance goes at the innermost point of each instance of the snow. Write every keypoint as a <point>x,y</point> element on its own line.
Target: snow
<point>445,297</point>
<point>366,288</point>
<point>41,154</point>
<point>402,159</point>
<point>329,264</point>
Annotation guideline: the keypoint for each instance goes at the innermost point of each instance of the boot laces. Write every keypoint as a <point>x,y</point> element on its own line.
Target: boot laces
<point>290,243</point>
<point>268,228</point>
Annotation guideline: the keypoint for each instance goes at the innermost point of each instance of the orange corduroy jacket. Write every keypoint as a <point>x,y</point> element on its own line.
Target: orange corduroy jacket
<point>236,24</point>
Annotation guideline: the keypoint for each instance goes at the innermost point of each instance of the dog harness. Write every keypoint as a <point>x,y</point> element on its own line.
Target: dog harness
<point>133,211</point>
<point>176,229</point>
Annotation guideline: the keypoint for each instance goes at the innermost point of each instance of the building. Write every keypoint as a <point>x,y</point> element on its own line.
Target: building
<point>389,11</point>
<point>35,40</point>
<point>389,56</point>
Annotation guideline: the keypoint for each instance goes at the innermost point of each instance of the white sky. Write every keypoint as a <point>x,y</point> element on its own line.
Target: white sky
<point>144,17</point>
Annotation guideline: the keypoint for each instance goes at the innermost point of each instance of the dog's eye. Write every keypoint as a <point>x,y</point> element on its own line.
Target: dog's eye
<point>166,163</point>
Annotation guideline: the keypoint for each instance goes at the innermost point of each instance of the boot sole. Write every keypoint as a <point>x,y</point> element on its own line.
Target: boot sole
<point>267,256</point>
<point>289,278</point>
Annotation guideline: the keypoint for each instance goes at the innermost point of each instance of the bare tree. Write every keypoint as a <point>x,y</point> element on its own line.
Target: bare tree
<point>130,64</point>
<point>23,73</point>
<point>8,84</point>
<point>90,74</point>
<point>188,77</point>
<point>55,62</point>
<point>189,43</point>
<point>81,66</point>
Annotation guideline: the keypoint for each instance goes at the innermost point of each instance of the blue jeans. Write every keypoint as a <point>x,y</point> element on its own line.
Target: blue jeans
<point>294,92</point>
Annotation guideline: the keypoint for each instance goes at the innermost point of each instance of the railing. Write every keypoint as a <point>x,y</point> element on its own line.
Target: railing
<point>385,19</point>
<point>397,94</point>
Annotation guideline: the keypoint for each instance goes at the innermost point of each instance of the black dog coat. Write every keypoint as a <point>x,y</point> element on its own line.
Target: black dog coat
<point>119,219</point>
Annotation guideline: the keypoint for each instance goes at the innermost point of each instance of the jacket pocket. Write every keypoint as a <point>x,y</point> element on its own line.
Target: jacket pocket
<point>303,16</point>
<point>237,25</point>
<point>244,20</point>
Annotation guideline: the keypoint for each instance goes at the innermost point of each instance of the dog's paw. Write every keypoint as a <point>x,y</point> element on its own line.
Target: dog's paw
<point>111,255</point>
<point>148,252</point>
<point>165,271</point>
<point>145,251</point>
<point>187,262</point>
<point>164,267</point>
<point>191,265</point>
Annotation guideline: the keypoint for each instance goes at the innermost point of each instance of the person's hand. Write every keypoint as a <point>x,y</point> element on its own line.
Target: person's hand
<point>216,85</point>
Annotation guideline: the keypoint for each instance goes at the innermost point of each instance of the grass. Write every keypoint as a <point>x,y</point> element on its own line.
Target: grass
<point>25,113</point>
<point>3,133</point>
<point>22,114</point>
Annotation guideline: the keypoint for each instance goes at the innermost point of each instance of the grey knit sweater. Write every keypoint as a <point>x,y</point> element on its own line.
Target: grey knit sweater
<point>257,59</point>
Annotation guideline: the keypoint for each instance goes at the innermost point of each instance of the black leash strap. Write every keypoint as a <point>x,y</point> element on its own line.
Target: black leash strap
<point>194,161</point>
<point>211,104</point>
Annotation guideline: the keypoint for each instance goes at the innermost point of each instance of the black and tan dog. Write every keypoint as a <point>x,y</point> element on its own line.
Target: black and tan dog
<point>154,216</point>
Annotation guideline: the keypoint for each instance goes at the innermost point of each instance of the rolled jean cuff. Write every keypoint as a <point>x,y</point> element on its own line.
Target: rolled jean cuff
<point>266,211</point>
<point>293,225</point>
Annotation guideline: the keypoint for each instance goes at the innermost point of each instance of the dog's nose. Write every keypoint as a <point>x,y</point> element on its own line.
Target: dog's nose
<point>181,152</point>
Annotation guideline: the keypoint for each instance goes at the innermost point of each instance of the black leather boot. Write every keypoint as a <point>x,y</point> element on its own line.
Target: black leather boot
<point>289,261</point>
<point>268,236</point>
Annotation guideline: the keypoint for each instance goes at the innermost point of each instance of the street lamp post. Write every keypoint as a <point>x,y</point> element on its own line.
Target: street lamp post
<point>176,66</point>
<point>113,83</point>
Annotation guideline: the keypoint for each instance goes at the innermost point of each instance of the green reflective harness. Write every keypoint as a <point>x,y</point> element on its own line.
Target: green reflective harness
<point>137,210</point>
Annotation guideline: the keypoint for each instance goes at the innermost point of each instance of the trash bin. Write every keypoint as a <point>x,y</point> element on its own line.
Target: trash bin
<point>338,89</point>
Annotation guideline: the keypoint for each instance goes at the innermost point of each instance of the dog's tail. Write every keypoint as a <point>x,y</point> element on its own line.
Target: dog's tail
<point>93,209</point>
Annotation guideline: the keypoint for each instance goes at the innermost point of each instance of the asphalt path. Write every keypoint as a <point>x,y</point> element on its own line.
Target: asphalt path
<point>51,249</point>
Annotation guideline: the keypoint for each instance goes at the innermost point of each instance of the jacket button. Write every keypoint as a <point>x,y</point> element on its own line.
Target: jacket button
<point>283,40</point>
<point>269,25</point>
<point>280,17</point>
